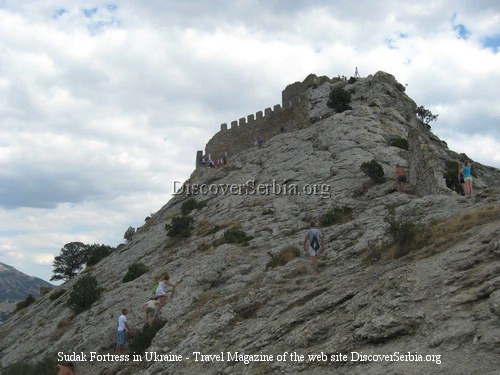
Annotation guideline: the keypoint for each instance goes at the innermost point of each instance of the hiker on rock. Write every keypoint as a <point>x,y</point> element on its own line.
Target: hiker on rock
<point>161,293</point>
<point>123,328</point>
<point>313,243</point>
<point>466,171</point>
<point>400,177</point>
<point>152,307</point>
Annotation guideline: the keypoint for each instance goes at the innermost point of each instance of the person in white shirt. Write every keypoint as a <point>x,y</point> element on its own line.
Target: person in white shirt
<point>161,292</point>
<point>122,330</point>
<point>316,244</point>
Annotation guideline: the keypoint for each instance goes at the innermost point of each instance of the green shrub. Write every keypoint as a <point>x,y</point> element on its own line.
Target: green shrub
<point>425,115</point>
<point>203,246</point>
<point>56,294</point>
<point>339,100</point>
<point>337,215</point>
<point>402,233</point>
<point>180,227</point>
<point>352,80</point>
<point>25,303</point>
<point>129,234</point>
<point>190,205</point>
<point>268,211</point>
<point>400,142</point>
<point>233,235</point>
<point>85,292</point>
<point>134,271</point>
<point>373,170</point>
<point>95,253</point>
<point>142,339</point>
<point>283,257</point>
<point>451,176</point>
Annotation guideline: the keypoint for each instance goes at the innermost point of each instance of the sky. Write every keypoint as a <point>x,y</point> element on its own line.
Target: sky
<point>103,104</point>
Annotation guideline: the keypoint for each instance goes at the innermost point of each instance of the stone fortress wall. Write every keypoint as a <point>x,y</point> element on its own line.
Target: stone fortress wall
<point>243,133</point>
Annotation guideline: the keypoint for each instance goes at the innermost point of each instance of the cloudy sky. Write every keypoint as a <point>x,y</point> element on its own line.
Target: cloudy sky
<point>104,103</point>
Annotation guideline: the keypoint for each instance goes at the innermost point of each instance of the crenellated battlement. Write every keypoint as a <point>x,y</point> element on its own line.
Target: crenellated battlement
<point>243,133</point>
<point>260,115</point>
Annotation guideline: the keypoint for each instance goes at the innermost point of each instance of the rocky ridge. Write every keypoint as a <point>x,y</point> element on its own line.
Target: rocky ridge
<point>15,285</point>
<point>442,299</point>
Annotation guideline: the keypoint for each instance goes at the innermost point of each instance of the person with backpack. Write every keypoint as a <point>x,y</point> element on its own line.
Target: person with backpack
<point>313,243</point>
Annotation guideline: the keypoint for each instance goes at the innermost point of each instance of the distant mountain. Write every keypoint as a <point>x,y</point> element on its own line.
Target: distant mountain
<point>15,285</point>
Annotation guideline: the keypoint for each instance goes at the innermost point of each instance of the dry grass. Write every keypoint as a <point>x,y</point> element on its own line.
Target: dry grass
<point>437,236</point>
<point>62,327</point>
<point>284,256</point>
<point>441,235</point>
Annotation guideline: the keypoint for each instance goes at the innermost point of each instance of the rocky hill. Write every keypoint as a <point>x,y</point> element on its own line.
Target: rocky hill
<point>428,306</point>
<point>15,285</point>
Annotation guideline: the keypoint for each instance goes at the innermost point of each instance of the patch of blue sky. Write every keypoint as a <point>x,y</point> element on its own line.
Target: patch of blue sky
<point>492,42</point>
<point>462,31</point>
<point>59,12</point>
<point>101,19</point>
<point>89,12</point>
<point>391,43</point>
<point>101,26</point>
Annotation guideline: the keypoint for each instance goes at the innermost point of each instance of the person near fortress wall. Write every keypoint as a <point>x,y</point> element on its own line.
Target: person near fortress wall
<point>66,369</point>
<point>259,141</point>
<point>466,171</point>
<point>400,177</point>
<point>310,248</point>
<point>123,328</point>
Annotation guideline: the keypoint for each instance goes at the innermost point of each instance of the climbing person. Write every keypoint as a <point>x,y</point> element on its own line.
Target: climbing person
<point>400,177</point>
<point>66,369</point>
<point>161,293</point>
<point>123,328</point>
<point>466,171</point>
<point>313,244</point>
<point>152,307</point>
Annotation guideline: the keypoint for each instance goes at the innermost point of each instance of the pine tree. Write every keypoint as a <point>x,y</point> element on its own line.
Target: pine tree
<point>70,262</point>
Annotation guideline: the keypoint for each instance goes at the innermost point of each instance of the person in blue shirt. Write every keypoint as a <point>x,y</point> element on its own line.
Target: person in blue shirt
<point>466,171</point>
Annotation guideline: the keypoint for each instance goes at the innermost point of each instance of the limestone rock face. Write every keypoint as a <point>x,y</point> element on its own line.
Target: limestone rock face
<point>434,310</point>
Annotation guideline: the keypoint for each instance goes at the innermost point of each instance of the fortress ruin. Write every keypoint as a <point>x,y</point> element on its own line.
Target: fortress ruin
<point>292,114</point>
